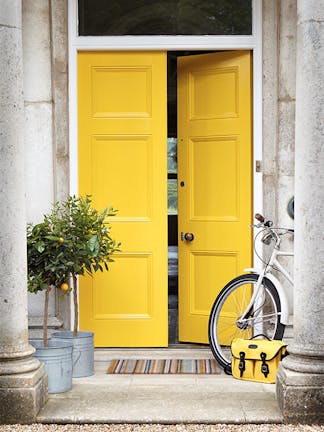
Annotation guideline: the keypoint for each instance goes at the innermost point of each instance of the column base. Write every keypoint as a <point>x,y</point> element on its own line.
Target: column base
<point>300,396</point>
<point>22,396</point>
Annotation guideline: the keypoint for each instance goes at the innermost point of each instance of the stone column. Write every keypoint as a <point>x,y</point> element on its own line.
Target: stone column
<point>23,383</point>
<point>300,385</point>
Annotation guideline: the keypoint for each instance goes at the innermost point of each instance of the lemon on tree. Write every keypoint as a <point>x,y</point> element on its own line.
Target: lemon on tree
<point>64,286</point>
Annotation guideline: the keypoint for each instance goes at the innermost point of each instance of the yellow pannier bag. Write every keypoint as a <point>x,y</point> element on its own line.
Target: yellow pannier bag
<point>257,359</point>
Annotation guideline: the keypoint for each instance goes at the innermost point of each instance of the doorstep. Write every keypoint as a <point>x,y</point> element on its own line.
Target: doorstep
<point>166,399</point>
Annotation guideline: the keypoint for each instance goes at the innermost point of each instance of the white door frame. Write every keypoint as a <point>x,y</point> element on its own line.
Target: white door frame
<point>168,43</point>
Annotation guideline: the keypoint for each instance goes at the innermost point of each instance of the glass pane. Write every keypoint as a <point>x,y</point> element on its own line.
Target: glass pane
<point>172,196</point>
<point>164,17</point>
<point>172,155</point>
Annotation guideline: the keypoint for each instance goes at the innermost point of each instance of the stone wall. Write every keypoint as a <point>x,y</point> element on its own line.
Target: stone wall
<point>279,81</point>
<point>38,120</point>
<point>46,123</point>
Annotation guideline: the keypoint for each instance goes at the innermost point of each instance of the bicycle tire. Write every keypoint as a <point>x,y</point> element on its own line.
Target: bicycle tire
<point>274,329</point>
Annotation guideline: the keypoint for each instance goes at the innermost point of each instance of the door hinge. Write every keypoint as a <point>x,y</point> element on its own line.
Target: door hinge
<point>258,166</point>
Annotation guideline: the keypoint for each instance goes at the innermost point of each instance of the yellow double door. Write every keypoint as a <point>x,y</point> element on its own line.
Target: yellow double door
<point>122,161</point>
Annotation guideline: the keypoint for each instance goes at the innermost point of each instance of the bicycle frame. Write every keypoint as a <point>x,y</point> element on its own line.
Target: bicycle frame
<point>266,272</point>
<point>276,264</point>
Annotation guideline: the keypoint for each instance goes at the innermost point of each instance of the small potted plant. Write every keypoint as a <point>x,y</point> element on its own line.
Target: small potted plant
<point>86,247</point>
<point>46,270</point>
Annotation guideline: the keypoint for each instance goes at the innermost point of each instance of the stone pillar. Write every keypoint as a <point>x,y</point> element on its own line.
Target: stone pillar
<point>300,384</point>
<point>23,383</point>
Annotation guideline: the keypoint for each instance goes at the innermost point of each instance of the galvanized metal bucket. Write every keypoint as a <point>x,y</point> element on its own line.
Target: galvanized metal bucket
<point>83,351</point>
<point>57,358</point>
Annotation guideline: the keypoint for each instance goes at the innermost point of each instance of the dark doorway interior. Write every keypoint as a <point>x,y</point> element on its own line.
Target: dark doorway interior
<point>173,278</point>
<point>172,200</point>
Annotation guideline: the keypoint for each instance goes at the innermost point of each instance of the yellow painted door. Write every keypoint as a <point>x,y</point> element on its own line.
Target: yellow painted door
<point>122,161</point>
<point>215,181</point>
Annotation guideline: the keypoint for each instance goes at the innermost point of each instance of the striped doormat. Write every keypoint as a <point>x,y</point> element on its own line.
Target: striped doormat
<point>164,366</point>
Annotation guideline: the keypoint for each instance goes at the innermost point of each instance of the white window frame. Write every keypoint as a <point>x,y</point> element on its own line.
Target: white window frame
<point>168,43</point>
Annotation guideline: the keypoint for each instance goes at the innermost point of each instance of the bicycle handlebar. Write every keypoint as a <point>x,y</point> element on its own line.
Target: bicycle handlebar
<point>268,223</point>
<point>259,217</point>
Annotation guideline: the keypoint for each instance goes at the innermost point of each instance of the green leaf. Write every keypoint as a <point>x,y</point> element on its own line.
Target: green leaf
<point>93,245</point>
<point>53,238</point>
<point>40,246</point>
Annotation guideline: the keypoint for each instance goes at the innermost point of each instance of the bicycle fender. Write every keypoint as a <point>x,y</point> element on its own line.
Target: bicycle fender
<point>281,292</point>
<point>252,270</point>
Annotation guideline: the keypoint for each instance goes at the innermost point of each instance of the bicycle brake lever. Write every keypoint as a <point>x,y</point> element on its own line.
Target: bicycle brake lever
<point>256,226</point>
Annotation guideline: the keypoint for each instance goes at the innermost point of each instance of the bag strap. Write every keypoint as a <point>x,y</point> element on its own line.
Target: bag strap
<point>242,363</point>
<point>264,366</point>
<point>261,334</point>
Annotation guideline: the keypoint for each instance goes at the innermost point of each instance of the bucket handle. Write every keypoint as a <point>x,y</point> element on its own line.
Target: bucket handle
<point>77,359</point>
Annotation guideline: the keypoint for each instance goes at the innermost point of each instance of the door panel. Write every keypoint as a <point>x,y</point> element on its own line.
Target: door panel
<point>215,181</point>
<point>122,162</point>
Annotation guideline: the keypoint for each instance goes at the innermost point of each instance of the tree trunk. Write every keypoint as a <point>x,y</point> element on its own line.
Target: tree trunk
<point>75,300</point>
<point>45,339</point>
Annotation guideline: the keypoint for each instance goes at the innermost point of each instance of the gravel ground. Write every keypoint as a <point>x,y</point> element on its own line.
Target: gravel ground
<point>161,428</point>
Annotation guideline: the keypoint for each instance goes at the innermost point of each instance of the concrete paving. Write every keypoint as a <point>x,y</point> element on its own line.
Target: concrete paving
<point>167,399</point>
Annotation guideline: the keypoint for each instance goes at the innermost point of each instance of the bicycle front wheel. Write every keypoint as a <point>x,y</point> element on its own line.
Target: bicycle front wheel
<point>225,321</point>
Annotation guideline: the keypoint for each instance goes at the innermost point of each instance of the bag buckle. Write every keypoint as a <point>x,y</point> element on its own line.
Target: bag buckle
<point>264,367</point>
<point>242,363</point>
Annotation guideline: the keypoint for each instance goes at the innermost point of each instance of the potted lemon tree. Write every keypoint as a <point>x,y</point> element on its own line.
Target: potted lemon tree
<point>73,239</point>
<point>46,270</point>
<point>87,247</point>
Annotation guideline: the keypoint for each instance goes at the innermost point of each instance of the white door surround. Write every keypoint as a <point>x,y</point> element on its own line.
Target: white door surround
<point>169,43</point>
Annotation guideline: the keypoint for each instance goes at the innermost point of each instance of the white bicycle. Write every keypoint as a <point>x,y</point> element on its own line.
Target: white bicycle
<point>253,303</point>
